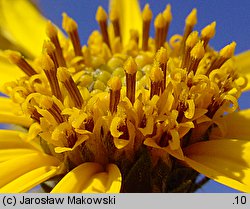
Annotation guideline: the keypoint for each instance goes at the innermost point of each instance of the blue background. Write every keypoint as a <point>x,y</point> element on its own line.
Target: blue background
<point>232,19</point>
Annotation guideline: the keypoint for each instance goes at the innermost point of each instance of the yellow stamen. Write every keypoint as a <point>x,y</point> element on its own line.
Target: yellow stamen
<point>134,35</point>
<point>146,17</point>
<point>130,68</point>
<point>207,33</point>
<point>225,54</point>
<point>116,45</point>
<point>162,57</point>
<point>191,21</point>
<point>71,27</point>
<point>114,18</point>
<point>115,89</point>
<point>17,59</point>
<point>32,111</point>
<point>50,105</point>
<point>159,31</point>
<point>35,115</point>
<point>168,18</point>
<point>101,18</point>
<point>198,51</point>
<point>228,51</point>
<point>196,54</point>
<point>64,76</point>
<point>51,32</point>
<point>50,71</point>
<point>192,39</point>
<point>156,77</point>
<point>50,49</point>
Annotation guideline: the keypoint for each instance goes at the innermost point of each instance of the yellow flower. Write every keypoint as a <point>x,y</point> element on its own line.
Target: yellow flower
<point>126,112</point>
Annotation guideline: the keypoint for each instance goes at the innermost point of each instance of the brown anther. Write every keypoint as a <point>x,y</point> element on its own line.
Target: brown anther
<point>130,68</point>
<point>207,33</point>
<point>50,49</point>
<point>64,76</point>
<point>146,17</point>
<point>71,27</point>
<point>162,58</point>
<point>196,54</point>
<point>191,21</point>
<point>101,18</point>
<point>156,77</point>
<point>164,139</point>
<point>49,68</point>
<point>48,104</point>
<point>34,114</point>
<point>168,18</point>
<point>115,92</point>
<point>114,18</point>
<point>51,32</point>
<point>71,137</point>
<point>17,59</point>
<point>159,31</point>
<point>192,39</point>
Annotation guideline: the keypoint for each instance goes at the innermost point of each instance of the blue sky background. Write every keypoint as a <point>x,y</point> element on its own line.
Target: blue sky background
<point>232,17</point>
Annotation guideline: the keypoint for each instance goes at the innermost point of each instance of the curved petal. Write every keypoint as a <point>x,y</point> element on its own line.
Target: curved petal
<point>90,177</point>
<point>17,167</point>
<point>105,182</point>
<point>77,178</point>
<point>130,17</point>
<point>234,126</point>
<point>225,161</point>
<point>29,180</point>
<point>243,64</point>
<point>175,153</point>
<point>24,25</point>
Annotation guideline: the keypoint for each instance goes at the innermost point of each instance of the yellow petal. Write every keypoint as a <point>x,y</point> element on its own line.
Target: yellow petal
<point>105,182</point>
<point>24,24</point>
<point>29,180</point>
<point>114,180</point>
<point>235,126</point>
<point>90,177</point>
<point>14,168</point>
<point>75,180</point>
<point>8,71</point>
<point>225,161</point>
<point>9,111</point>
<point>7,154</point>
<point>6,44</point>
<point>79,141</point>
<point>96,183</point>
<point>243,64</point>
<point>130,17</point>
<point>7,105</point>
<point>13,119</point>
<point>10,139</point>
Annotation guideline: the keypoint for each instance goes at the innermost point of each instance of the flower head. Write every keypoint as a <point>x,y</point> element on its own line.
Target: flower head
<point>124,105</point>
